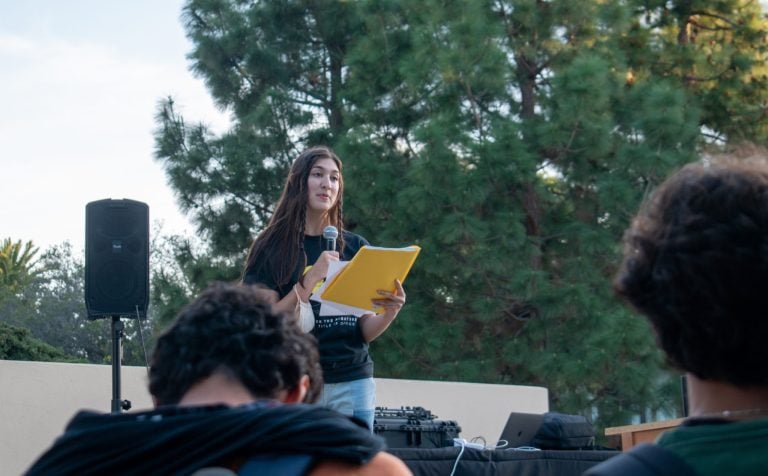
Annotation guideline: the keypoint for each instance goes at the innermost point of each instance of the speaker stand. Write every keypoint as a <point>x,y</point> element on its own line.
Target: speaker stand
<point>117,336</point>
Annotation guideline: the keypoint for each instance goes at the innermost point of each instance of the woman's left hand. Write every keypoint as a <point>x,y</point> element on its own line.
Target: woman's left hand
<point>391,303</point>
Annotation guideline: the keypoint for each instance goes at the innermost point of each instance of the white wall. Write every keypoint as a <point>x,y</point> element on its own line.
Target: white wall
<point>37,399</point>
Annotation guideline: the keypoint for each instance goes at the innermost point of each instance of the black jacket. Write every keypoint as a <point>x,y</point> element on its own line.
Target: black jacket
<point>180,440</point>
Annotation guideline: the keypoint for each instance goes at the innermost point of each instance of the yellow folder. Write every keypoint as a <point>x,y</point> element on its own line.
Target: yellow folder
<point>371,269</point>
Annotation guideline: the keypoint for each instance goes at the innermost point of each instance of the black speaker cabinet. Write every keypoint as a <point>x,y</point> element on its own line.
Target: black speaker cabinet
<point>116,258</point>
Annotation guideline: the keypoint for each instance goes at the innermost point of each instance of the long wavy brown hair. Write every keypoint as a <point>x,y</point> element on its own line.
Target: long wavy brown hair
<point>280,246</point>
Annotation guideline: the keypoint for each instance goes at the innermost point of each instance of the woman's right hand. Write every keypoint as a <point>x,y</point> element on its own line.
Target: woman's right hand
<point>319,270</point>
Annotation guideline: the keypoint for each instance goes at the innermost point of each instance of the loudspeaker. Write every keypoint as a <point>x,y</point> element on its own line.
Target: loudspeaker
<point>116,258</point>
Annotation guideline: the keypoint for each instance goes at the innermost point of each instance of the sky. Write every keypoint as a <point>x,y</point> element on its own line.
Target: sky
<point>79,84</point>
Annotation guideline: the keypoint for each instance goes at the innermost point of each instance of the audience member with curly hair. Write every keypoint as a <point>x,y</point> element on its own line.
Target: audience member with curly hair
<point>231,335</point>
<point>234,384</point>
<point>696,265</point>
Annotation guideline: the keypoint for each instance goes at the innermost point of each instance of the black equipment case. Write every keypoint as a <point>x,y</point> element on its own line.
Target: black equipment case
<point>413,427</point>
<point>560,431</point>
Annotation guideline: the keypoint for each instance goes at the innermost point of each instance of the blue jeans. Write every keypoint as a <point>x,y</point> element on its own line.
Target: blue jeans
<point>356,398</point>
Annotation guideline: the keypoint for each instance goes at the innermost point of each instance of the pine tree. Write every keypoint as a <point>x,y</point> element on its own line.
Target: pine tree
<point>512,140</point>
<point>718,50</point>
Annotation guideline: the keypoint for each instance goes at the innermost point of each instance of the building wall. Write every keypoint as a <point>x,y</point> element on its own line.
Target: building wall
<point>37,399</point>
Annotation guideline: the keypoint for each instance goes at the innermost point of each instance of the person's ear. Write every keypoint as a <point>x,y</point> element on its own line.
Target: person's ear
<point>298,394</point>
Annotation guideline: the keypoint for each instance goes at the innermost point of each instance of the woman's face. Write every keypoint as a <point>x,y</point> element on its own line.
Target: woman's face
<point>323,185</point>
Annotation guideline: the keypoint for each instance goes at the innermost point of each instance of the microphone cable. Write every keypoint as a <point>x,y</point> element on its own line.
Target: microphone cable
<point>141,336</point>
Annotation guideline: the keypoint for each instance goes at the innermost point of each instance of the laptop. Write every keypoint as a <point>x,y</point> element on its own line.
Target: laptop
<point>520,429</point>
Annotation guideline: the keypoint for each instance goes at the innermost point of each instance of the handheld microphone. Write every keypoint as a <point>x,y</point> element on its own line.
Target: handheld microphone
<point>330,233</point>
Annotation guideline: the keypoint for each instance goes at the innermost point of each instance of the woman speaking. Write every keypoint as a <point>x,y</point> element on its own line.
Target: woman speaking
<point>289,257</point>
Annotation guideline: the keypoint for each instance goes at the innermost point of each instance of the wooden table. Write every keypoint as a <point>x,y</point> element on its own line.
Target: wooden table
<point>632,435</point>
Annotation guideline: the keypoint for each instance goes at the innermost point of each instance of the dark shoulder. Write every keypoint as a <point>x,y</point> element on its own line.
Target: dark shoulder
<point>354,241</point>
<point>261,270</point>
<point>645,459</point>
<point>87,418</point>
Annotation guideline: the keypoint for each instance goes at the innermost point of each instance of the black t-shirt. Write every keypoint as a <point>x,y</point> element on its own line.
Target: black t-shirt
<point>343,350</point>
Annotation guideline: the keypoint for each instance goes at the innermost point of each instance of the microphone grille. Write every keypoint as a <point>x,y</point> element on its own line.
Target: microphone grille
<point>330,232</point>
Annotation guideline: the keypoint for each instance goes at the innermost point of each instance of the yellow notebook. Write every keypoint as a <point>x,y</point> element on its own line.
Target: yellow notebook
<point>371,269</point>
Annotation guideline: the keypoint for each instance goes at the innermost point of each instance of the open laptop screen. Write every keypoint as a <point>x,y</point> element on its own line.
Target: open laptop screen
<point>520,429</point>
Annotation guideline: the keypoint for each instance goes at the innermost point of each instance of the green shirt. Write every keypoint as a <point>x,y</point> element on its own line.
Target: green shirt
<point>721,448</point>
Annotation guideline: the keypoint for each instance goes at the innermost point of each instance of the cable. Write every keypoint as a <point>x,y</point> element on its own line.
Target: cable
<point>480,439</point>
<point>461,452</point>
<point>499,445</point>
<point>141,335</point>
<point>526,448</point>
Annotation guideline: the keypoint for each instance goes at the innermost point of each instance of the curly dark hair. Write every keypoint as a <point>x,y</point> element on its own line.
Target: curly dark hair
<point>230,329</point>
<point>696,265</point>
